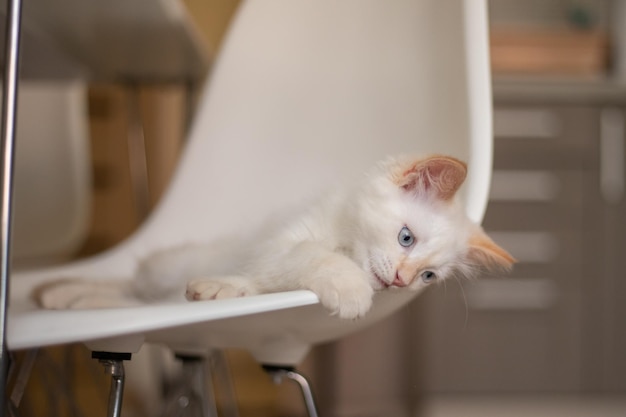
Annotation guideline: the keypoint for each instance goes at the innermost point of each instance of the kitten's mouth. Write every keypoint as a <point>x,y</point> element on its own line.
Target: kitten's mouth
<point>382,283</point>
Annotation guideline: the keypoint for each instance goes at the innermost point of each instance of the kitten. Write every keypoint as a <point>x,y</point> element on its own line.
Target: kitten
<point>400,228</point>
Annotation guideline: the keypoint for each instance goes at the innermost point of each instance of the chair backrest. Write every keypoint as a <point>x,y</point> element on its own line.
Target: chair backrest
<point>52,174</point>
<point>307,94</point>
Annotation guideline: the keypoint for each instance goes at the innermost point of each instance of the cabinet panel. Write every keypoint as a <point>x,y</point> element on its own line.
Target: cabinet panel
<point>573,147</point>
<point>522,332</point>
<point>604,273</point>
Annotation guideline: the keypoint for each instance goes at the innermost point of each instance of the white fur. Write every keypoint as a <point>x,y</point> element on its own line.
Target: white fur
<point>343,248</point>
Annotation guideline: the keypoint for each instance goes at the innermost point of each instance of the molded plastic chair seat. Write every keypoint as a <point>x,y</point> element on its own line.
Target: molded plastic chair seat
<point>305,95</point>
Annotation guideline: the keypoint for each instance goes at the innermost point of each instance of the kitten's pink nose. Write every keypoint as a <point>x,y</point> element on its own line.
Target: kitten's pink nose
<point>398,282</point>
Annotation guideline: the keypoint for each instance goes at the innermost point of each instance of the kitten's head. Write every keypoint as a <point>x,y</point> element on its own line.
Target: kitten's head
<point>410,230</point>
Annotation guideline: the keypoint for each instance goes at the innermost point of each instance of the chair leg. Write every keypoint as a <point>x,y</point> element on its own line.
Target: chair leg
<point>280,372</point>
<point>19,376</point>
<point>10,67</point>
<point>22,376</point>
<point>224,384</point>
<point>114,364</point>
<point>195,396</point>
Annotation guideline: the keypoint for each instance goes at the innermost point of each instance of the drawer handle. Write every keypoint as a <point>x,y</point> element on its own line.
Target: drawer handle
<point>538,247</point>
<point>526,124</point>
<point>514,185</point>
<point>513,294</point>
<point>612,134</point>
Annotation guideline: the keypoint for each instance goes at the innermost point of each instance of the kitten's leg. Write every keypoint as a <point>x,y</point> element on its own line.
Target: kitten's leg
<point>84,294</point>
<point>161,275</point>
<point>341,285</point>
<point>220,287</point>
<point>164,274</point>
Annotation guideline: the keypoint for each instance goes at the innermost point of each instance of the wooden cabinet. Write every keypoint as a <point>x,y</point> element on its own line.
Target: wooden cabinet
<point>558,322</point>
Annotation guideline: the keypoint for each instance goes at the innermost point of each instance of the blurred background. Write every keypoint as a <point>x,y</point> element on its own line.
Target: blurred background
<point>548,340</point>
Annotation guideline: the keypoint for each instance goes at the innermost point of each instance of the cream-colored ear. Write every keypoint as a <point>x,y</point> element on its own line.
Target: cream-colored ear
<point>437,175</point>
<point>485,253</point>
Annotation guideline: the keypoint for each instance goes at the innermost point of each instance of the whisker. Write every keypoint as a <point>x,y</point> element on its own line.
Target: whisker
<point>445,288</point>
<point>380,263</point>
<point>464,301</point>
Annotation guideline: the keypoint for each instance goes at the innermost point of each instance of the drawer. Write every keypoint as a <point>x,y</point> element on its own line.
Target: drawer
<point>545,137</point>
<point>535,199</point>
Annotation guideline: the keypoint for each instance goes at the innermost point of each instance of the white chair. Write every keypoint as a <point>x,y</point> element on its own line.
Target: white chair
<point>304,94</point>
<point>51,165</point>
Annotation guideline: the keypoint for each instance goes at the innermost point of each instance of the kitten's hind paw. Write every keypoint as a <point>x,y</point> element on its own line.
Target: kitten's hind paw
<point>218,288</point>
<point>83,294</point>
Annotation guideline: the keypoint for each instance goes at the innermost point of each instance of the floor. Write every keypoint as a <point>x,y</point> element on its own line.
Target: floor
<point>516,406</point>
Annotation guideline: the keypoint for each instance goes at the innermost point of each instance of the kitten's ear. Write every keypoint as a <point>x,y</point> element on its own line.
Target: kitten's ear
<point>485,253</point>
<point>441,175</point>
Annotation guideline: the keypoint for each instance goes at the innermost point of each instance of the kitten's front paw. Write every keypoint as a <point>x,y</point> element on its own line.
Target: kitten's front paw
<point>218,288</point>
<point>346,298</point>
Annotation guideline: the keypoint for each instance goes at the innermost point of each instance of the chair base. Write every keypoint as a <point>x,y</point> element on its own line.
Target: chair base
<point>194,397</point>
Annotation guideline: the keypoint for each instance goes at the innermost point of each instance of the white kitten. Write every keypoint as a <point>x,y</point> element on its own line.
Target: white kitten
<point>401,227</point>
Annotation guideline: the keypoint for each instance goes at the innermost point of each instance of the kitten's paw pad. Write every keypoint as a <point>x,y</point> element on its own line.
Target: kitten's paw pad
<point>215,289</point>
<point>346,299</point>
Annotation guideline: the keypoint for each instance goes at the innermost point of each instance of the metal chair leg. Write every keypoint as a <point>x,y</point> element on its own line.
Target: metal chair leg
<point>195,395</point>
<point>18,377</point>
<point>280,372</point>
<point>225,390</point>
<point>114,364</point>
<point>7,142</point>
<point>22,376</point>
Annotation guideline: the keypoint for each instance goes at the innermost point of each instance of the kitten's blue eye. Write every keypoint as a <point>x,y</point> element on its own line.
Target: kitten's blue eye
<point>405,237</point>
<point>428,276</point>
